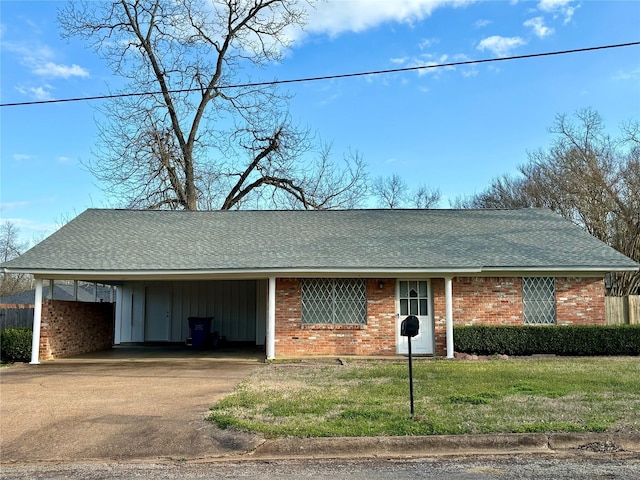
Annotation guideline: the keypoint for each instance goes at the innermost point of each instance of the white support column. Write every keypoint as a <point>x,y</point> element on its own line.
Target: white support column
<point>448,298</point>
<point>271,320</point>
<point>37,318</point>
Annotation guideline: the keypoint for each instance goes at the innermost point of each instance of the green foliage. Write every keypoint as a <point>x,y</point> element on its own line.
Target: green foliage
<point>15,344</point>
<point>558,340</point>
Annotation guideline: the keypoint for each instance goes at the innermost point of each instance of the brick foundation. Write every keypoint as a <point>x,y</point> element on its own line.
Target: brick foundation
<point>476,301</point>
<point>74,328</point>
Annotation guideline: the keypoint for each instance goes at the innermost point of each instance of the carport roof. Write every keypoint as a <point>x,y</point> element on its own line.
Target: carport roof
<point>135,241</point>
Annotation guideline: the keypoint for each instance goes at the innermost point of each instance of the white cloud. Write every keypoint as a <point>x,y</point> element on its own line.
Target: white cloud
<point>425,61</point>
<point>538,27</point>
<point>623,75</point>
<point>50,69</point>
<point>334,17</point>
<point>26,225</point>
<point>39,58</point>
<point>21,157</point>
<point>427,42</point>
<point>500,46</point>
<point>482,23</point>
<point>38,93</point>
<point>558,7</point>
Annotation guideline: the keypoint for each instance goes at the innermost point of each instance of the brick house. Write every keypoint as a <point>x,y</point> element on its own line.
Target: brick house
<point>316,282</point>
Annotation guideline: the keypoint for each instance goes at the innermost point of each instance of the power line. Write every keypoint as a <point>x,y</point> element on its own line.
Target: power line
<point>330,77</point>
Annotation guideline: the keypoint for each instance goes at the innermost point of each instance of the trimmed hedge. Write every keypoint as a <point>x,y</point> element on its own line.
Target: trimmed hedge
<point>15,345</point>
<point>558,340</point>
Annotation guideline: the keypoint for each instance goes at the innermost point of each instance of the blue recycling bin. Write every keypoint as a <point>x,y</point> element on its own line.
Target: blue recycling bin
<point>200,327</point>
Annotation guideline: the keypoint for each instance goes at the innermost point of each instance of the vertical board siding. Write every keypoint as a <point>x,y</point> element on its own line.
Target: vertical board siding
<point>261,311</point>
<point>232,304</point>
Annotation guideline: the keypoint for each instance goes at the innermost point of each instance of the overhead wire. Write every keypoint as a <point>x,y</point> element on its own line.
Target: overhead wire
<point>330,77</point>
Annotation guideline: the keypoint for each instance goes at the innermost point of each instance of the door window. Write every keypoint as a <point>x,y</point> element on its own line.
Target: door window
<point>413,297</point>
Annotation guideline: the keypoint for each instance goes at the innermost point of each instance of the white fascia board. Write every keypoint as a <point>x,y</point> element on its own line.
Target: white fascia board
<point>564,271</point>
<point>105,275</point>
<point>121,275</point>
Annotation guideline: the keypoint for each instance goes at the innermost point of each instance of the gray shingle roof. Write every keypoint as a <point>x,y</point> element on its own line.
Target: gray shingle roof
<point>143,240</point>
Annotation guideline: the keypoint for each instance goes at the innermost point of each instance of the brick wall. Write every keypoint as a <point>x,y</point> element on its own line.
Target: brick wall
<point>377,337</point>
<point>498,301</point>
<point>73,328</point>
<point>580,301</point>
<point>476,301</point>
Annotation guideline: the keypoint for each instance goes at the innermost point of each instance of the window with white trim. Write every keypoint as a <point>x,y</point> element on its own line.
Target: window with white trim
<point>539,300</point>
<point>334,301</point>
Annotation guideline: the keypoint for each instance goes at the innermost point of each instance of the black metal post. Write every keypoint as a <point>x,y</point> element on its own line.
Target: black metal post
<point>410,377</point>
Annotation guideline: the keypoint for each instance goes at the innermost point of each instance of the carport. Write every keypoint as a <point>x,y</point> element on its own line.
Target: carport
<point>151,311</point>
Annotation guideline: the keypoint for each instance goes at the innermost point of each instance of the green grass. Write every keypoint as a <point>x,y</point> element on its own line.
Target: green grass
<point>451,397</point>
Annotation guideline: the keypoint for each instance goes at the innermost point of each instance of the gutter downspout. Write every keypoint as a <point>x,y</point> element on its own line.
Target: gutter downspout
<point>448,296</point>
<point>37,319</point>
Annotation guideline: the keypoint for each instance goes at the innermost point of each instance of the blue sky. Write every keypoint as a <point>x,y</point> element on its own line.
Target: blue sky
<point>450,128</point>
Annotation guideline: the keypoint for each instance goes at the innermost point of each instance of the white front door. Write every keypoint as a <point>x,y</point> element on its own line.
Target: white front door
<point>413,297</point>
<point>157,318</point>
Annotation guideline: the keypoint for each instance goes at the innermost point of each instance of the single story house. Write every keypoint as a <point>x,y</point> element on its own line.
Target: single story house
<point>316,282</point>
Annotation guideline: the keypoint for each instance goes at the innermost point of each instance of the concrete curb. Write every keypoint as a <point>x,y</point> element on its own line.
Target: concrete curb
<point>597,442</point>
<point>362,447</point>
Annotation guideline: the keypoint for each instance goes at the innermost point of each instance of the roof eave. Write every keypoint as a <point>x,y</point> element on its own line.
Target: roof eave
<point>121,275</point>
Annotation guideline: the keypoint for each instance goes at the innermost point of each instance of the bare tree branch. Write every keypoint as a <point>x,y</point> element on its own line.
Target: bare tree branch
<point>216,147</point>
<point>589,178</point>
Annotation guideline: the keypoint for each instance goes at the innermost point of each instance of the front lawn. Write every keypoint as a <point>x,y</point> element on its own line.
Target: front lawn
<point>371,397</point>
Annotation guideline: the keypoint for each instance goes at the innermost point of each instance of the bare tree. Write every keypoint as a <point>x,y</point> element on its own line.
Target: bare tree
<point>587,176</point>
<point>390,191</point>
<point>426,197</point>
<point>393,192</point>
<point>188,135</point>
<point>11,247</point>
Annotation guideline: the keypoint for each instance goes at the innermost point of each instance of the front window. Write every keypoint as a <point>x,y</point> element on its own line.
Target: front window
<point>339,301</point>
<point>539,300</point>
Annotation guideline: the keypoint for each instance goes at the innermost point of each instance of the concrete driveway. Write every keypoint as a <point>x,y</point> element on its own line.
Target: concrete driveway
<point>119,407</point>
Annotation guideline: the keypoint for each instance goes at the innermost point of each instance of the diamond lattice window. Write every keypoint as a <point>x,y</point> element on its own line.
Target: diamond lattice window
<point>539,300</point>
<point>341,301</point>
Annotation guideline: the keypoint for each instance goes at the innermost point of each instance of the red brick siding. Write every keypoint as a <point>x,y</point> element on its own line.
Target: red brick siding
<point>73,328</point>
<point>476,301</point>
<point>377,337</point>
<point>580,301</point>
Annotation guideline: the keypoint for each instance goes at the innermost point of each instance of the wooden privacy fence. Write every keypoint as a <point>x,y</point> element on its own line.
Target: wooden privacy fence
<point>13,316</point>
<point>622,310</point>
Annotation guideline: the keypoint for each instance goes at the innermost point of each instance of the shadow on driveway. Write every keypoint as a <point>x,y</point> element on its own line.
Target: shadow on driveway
<point>121,404</point>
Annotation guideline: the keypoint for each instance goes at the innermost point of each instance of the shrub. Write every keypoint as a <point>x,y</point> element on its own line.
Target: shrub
<point>15,344</point>
<point>558,340</point>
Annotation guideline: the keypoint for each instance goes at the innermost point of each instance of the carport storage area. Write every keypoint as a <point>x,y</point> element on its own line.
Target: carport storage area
<point>158,311</point>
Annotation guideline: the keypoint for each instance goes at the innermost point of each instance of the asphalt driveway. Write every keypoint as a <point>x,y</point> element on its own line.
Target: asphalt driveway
<point>118,408</point>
